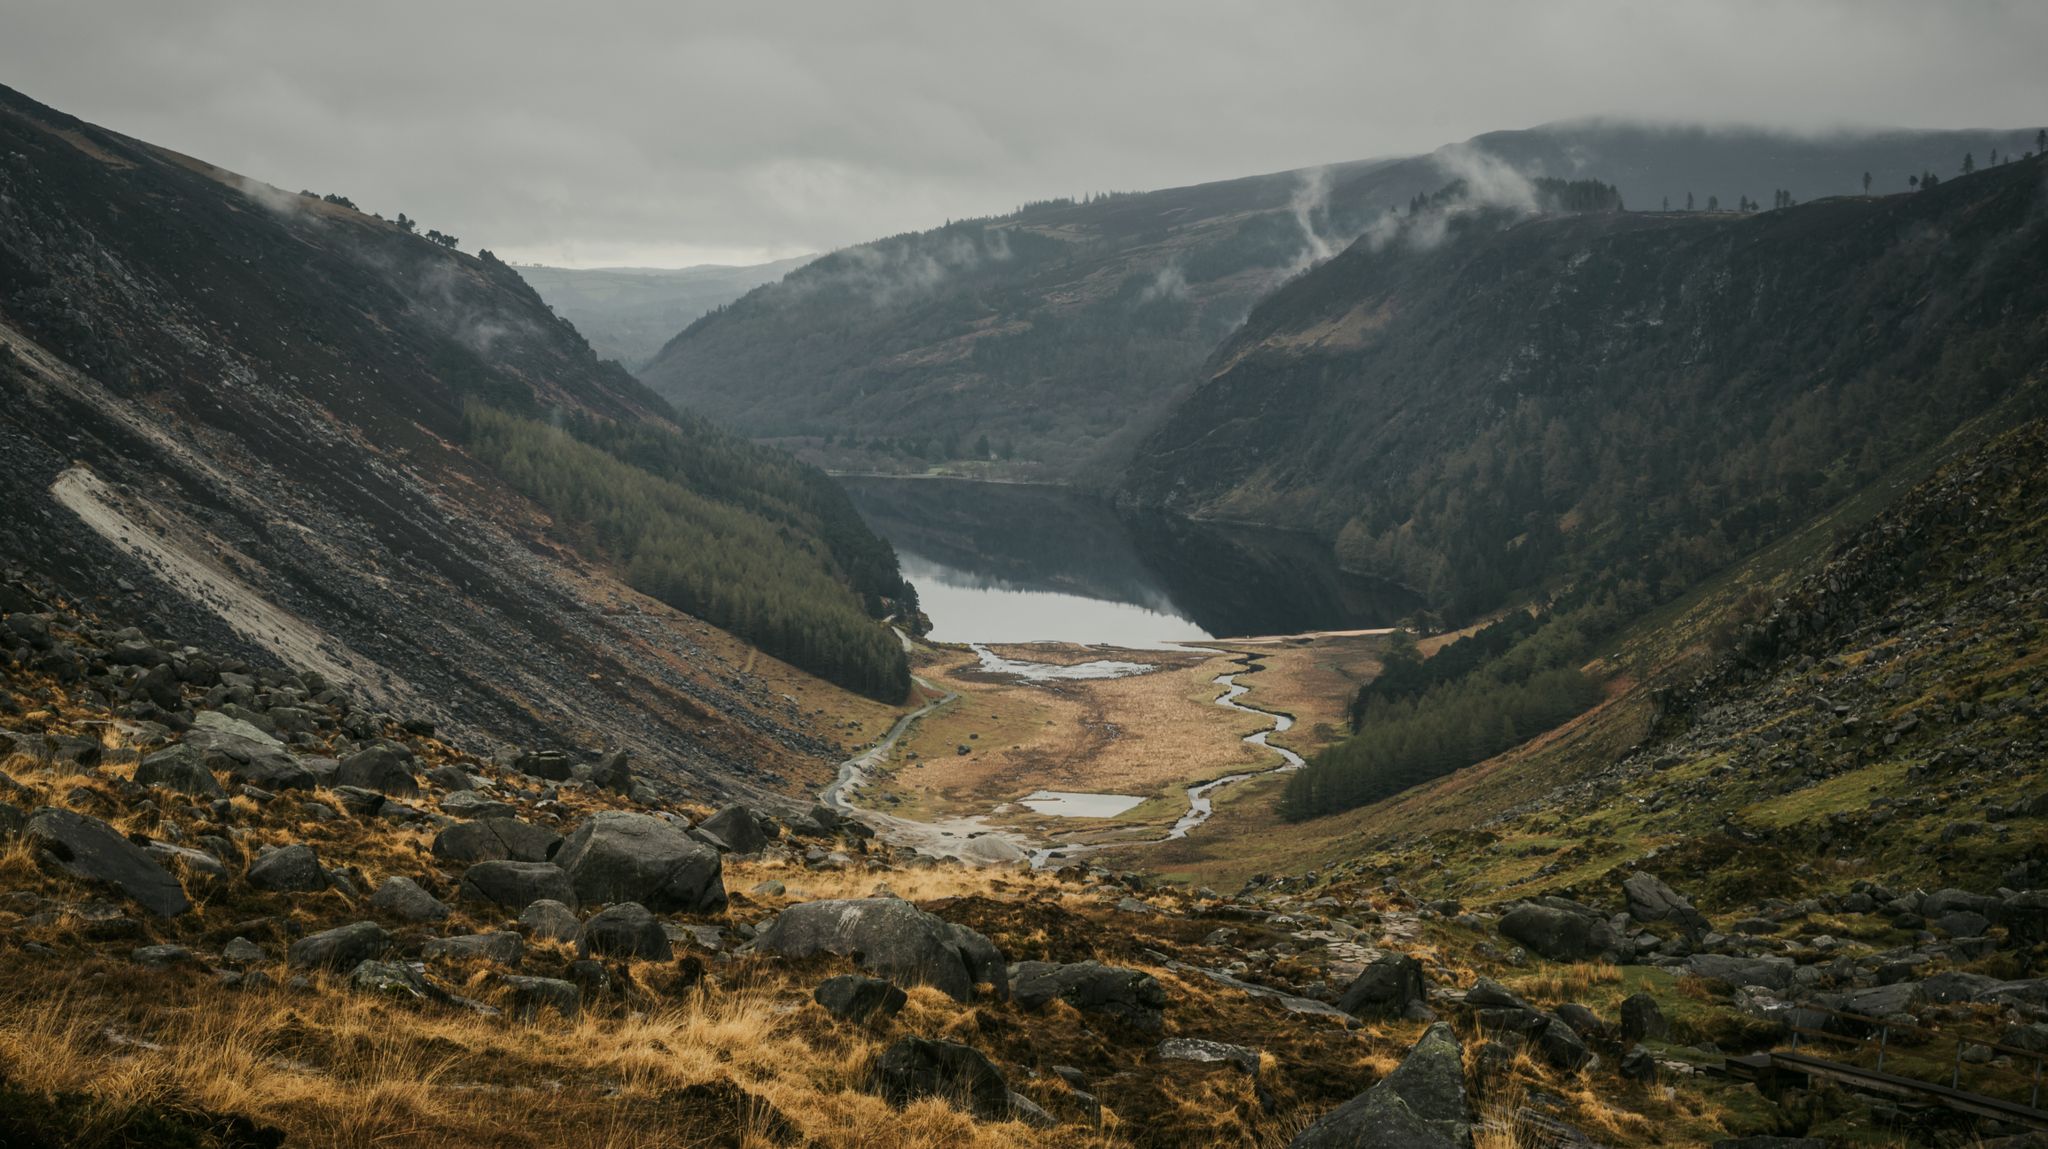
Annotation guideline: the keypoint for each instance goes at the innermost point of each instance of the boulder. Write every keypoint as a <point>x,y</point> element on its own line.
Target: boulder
<point>382,768</point>
<point>390,979</point>
<point>551,765</point>
<point>504,947</point>
<point>1638,1066</point>
<point>916,1068</point>
<point>1131,996</point>
<point>984,962</point>
<point>1642,1019</point>
<point>531,995</point>
<point>179,768</point>
<point>624,857</point>
<point>1208,1052</point>
<point>1558,934</point>
<point>92,851</point>
<point>611,772</point>
<point>1389,986</point>
<point>1650,900</point>
<point>496,840</point>
<point>289,869</point>
<point>341,948</point>
<point>740,828</point>
<point>401,897</point>
<point>549,920</point>
<point>473,804</point>
<point>1561,1045</point>
<point>1421,1105</point>
<point>517,885</point>
<point>851,997</point>
<point>1770,971</point>
<point>626,929</point>
<point>251,759</point>
<point>887,936</point>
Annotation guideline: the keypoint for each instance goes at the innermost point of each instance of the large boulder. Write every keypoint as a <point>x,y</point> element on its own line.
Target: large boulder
<point>740,828</point>
<point>289,869</point>
<point>530,995</point>
<point>1770,971</point>
<point>92,851</point>
<point>612,772</point>
<point>624,930</point>
<point>385,769</point>
<point>246,755</point>
<point>517,885</point>
<point>1642,1019</point>
<point>473,803</point>
<point>496,840</point>
<point>887,936</point>
<point>402,897</point>
<point>851,997</point>
<point>915,1068</point>
<point>1650,900</point>
<point>1129,995</point>
<point>341,948</point>
<point>1557,933</point>
<point>504,947</point>
<point>1421,1105</point>
<point>179,768</point>
<point>624,857</point>
<point>1391,985</point>
<point>548,920</point>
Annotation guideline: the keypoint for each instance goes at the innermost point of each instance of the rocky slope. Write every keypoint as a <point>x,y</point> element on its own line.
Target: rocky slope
<point>237,414</point>
<point>1479,405</point>
<point>1063,331</point>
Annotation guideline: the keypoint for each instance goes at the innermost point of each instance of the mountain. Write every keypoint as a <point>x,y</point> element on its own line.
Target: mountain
<point>1481,404</point>
<point>1046,343</point>
<point>627,313</point>
<point>271,422</point>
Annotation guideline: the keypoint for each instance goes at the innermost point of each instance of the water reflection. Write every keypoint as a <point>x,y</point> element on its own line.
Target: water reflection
<point>1008,563</point>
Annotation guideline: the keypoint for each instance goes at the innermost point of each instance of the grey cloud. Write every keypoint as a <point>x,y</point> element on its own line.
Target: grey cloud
<point>668,133</point>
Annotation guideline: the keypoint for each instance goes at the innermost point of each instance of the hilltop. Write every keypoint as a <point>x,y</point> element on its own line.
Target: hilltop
<point>628,313</point>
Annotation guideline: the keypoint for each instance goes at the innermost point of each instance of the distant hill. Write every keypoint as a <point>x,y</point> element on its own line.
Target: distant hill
<point>1060,333</point>
<point>627,313</point>
<point>1629,397</point>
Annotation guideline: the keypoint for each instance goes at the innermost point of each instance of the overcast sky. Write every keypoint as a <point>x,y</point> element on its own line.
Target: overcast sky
<point>664,134</point>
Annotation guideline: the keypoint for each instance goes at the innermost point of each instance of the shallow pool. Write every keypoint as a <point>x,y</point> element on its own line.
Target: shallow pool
<point>1068,805</point>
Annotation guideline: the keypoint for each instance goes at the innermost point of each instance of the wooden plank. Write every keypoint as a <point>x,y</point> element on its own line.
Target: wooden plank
<point>1961,1100</point>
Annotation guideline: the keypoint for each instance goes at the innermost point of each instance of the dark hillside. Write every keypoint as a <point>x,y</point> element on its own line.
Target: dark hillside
<point>1634,398</point>
<point>240,412</point>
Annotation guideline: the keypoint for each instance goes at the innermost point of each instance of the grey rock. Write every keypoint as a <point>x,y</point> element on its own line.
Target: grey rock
<point>626,929</point>
<point>1650,900</point>
<point>1132,996</point>
<point>504,947</point>
<point>343,947</point>
<point>496,840</point>
<point>404,898</point>
<point>1771,972</point>
<point>289,869</point>
<point>851,997</point>
<point>381,768</point>
<point>915,1068</point>
<point>92,851</point>
<point>179,768</point>
<point>1388,986</point>
<point>617,856</point>
<point>259,761</point>
<point>611,772</point>
<point>1557,934</point>
<point>887,936</point>
<point>531,995</point>
<point>473,804</point>
<point>1208,1052</point>
<point>1962,923</point>
<point>549,920</point>
<point>1638,1066</point>
<point>1561,1046</point>
<point>162,956</point>
<point>241,952</point>
<point>1642,1019</point>
<point>517,885</point>
<point>1421,1105</point>
<point>389,979</point>
<point>739,828</point>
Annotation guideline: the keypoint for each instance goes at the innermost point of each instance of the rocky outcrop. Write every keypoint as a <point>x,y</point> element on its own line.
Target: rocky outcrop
<point>887,936</point>
<point>92,851</point>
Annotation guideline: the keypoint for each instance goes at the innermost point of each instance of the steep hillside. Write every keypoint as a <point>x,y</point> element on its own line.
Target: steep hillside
<point>1479,404</point>
<point>1059,333</point>
<point>239,413</point>
<point>627,313</point>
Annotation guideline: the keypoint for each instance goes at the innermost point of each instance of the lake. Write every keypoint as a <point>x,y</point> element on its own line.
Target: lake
<point>1008,563</point>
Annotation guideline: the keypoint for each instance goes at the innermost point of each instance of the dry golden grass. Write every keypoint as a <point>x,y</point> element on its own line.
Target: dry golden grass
<point>1560,983</point>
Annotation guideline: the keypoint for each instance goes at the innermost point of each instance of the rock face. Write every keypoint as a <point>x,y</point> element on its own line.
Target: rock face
<point>292,869</point>
<point>517,885</point>
<point>739,828</point>
<point>90,850</point>
<point>1389,986</point>
<point>1421,1105</point>
<point>1557,933</point>
<point>624,930</point>
<point>887,936</point>
<point>403,898</point>
<point>1650,900</point>
<point>851,997</point>
<point>914,1068</point>
<point>179,768</point>
<point>1131,996</point>
<point>492,839</point>
<point>624,857</point>
<point>341,948</point>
